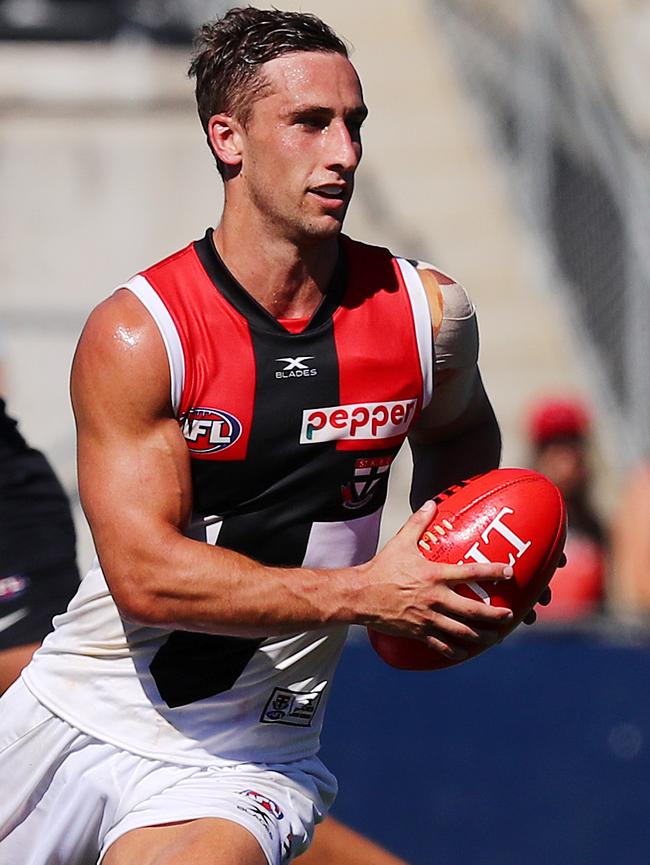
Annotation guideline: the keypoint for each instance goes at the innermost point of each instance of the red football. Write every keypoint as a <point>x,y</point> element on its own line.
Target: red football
<point>510,515</point>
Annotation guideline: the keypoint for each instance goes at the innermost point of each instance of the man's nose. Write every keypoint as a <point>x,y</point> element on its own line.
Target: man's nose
<point>343,148</point>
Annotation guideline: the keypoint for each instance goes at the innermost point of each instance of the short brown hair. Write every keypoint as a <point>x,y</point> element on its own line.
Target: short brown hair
<point>229,51</point>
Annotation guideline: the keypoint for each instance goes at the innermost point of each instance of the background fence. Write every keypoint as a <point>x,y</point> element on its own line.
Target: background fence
<point>549,78</point>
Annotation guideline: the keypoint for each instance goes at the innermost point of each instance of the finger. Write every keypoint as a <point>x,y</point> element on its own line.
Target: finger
<point>418,522</point>
<point>475,612</point>
<point>562,561</point>
<point>495,572</point>
<point>449,627</point>
<point>447,650</point>
<point>545,598</point>
<point>530,618</point>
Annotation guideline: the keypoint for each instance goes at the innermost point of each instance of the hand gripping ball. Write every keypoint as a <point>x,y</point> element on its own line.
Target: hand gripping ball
<point>510,515</point>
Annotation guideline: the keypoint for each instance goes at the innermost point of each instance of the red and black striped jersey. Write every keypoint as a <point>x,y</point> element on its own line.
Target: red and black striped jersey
<point>291,433</point>
<point>275,421</point>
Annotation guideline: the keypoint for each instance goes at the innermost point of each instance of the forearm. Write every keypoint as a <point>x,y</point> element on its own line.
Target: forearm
<point>188,585</point>
<point>135,484</point>
<point>437,466</point>
<point>195,586</point>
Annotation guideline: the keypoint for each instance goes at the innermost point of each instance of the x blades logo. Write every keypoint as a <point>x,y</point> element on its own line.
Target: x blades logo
<point>295,367</point>
<point>208,430</point>
<point>294,362</point>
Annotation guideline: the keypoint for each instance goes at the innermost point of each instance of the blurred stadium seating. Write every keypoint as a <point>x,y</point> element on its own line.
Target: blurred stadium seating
<point>554,82</point>
<point>165,22</point>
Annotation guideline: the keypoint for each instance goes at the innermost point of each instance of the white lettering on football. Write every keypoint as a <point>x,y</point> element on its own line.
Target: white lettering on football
<point>477,555</point>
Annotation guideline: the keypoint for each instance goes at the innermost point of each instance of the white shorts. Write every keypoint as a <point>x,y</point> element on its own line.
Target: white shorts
<point>67,797</point>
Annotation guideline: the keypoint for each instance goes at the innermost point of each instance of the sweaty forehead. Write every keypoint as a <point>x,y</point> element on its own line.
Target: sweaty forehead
<point>313,77</point>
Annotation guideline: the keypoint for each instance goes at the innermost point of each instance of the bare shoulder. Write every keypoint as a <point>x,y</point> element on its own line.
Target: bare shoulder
<point>121,360</point>
<point>120,326</point>
<point>133,464</point>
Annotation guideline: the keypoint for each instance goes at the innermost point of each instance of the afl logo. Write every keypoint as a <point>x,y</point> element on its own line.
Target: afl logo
<point>208,430</point>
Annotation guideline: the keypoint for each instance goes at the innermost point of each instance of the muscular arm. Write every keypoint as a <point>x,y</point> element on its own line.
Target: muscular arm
<point>457,435</point>
<point>135,486</point>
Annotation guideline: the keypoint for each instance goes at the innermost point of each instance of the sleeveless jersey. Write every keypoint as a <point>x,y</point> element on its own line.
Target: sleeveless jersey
<point>291,437</point>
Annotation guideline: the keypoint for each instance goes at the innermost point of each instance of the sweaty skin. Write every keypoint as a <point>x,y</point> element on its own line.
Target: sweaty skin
<point>289,175</point>
<point>131,450</point>
<point>289,180</point>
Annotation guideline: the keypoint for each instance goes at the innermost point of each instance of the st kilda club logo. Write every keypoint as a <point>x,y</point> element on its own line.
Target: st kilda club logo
<point>208,430</point>
<point>368,474</point>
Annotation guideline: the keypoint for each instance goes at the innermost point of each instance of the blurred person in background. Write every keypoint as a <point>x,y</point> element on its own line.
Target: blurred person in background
<point>38,570</point>
<point>631,545</point>
<point>559,439</point>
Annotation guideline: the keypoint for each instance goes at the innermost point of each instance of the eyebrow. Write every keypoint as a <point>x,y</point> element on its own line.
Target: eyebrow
<point>360,112</point>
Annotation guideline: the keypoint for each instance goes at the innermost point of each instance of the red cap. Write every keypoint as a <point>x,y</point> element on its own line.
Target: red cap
<point>558,418</point>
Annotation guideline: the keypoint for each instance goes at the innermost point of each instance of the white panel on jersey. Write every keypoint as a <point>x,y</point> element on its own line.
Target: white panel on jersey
<point>212,532</point>
<point>147,295</point>
<point>423,325</point>
<point>339,545</point>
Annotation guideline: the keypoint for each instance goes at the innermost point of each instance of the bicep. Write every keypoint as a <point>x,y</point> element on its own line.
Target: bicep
<point>133,465</point>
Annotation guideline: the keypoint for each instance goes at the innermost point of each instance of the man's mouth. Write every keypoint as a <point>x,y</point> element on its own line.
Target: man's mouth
<point>330,191</point>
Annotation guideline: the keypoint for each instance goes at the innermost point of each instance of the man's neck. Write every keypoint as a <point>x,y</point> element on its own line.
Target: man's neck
<point>286,279</point>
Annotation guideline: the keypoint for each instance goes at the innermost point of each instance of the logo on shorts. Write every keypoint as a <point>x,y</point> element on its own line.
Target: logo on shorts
<point>263,809</point>
<point>368,474</point>
<point>208,430</point>
<point>295,708</point>
<point>266,803</point>
<point>357,421</point>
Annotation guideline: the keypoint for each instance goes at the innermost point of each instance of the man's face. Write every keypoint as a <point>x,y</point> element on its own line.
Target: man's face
<point>302,145</point>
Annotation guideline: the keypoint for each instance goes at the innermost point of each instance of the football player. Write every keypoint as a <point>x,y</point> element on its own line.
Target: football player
<point>238,407</point>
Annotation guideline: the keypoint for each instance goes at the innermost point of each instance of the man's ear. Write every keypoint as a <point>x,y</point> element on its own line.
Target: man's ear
<point>225,136</point>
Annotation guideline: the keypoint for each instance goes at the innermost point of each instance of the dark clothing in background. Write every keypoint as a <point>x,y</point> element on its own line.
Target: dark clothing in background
<point>38,570</point>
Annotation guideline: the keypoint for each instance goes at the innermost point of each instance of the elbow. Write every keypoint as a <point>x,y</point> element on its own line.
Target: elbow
<point>134,595</point>
<point>137,607</point>
<point>139,611</point>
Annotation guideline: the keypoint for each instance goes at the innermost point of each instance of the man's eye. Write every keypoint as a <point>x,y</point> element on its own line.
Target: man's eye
<point>313,122</point>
